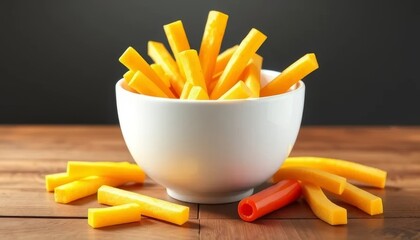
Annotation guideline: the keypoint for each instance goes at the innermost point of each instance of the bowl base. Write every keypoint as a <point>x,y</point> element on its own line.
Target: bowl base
<point>212,198</point>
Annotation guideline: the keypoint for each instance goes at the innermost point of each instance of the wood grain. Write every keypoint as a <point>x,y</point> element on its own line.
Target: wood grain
<point>28,152</point>
<point>56,228</point>
<point>36,180</point>
<point>38,202</point>
<point>90,143</point>
<point>294,229</point>
<point>356,138</point>
<point>394,206</point>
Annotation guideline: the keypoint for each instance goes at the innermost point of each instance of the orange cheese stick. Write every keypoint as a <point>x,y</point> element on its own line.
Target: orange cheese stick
<point>326,180</point>
<point>128,75</point>
<point>211,42</point>
<point>257,60</point>
<point>361,199</point>
<point>186,91</point>
<point>322,207</point>
<point>212,84</point>
<point>291,75</point>
<point>190,63</point>
<point>252,75</point>
<point>134,61</point>
<point>125,86</point>
<point>177,39</point>
<point>252,81</point>
<point>351,170</point>
<point>198,93</point>
<point>160,55</point>
<point>238,91</point>
<point>142,84</point>
<point>249,45</point>
<point>162,75</point>
<point>222,61</point>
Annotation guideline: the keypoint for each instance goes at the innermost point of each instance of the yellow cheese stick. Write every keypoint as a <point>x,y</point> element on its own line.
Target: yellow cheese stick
<point>162,75</point>
<point>57,179</point>
<point>102,217</point>
<point>291,75</point>
<point>190,63</point>
<point>186,91</point>
<point>361,199</point>
<point>130,172</point>
<point>127,78</point>
<point>142,84</point>
<point>197,93</point>
<point>151,207</point>
<point>238,62</point>
<point>322,207</point>
<point>257,60</point>
<point>125,85</point>
<point>252,75</point>
<point>222,61</point>
<point>238,91</point>
<point>252,81</point>
<point>351,170</point>
<point>328,181</point>
<point>134,61</point>
<point>177,39</point>
<point>128,75</point>
<point>211,42</point>
<point>83,187</point>
<point>158,52</point>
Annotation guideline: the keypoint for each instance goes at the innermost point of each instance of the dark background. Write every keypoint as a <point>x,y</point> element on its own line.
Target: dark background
<point>59,59</point>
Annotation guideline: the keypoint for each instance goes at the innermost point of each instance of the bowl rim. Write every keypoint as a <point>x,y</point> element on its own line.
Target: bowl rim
<point>298,87</point>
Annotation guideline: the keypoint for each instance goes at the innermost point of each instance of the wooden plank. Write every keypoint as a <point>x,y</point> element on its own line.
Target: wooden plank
<point>14,173</point>
<point>100,143</point>
<point>298,210</point>
<point>39,203</point>
<point>377,158</point>
<point>46,149</point>
<point>27,153</point>
<point>106,142</point>
<point>393,228</point>
<point>382,138</point>
<point>37,166</point>
<point>34,180</point>
<point>21,180</point>
<point>397,203</point>
<point>47,228</point>
<point>399,175</point>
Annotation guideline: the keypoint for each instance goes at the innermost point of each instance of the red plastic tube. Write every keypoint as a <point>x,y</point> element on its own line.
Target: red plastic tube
<point>269,200</point>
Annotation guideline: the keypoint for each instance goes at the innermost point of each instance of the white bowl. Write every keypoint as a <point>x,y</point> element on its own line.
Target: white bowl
<point>210,151</point>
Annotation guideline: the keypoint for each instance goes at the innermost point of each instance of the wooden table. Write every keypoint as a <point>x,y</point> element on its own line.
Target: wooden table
<point>27,211</point>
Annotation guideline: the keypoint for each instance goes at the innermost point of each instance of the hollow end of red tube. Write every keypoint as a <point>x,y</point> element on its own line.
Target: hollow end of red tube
<point>247,210</point>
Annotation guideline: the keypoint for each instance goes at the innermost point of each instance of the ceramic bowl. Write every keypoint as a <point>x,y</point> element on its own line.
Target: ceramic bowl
<point>210,151</point>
